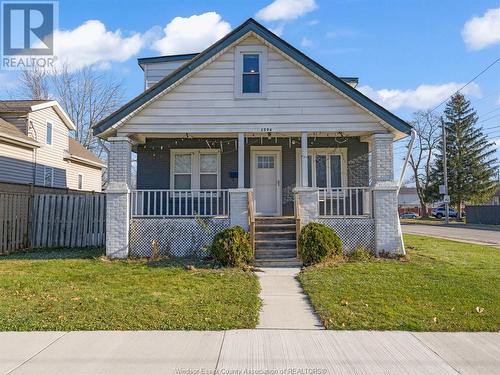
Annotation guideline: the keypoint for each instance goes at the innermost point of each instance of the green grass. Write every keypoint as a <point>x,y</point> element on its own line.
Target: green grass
<point>437,289</point>
<point>80,290</point>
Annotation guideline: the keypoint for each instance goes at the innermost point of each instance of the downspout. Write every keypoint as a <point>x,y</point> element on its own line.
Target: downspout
<point>400,182</point>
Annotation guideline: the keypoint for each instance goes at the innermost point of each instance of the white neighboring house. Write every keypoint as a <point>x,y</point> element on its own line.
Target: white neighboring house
<point>250,127</point>
<point>36,148</point>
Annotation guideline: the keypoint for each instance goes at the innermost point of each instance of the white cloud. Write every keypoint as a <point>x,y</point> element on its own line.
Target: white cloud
<point>498,100</point>
<point>313,22</point>
<point>306,42</point>
<point>91,44</point>
<point>482,32</point>
<point>286,10</point>
<point>278,30</point>
<point>192,34</point>
<point>423,97</point>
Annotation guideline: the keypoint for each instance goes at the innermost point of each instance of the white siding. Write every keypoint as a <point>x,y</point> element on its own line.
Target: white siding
<point>50,155</point>
<point>91,176</point>
<point>295,100</point>
<point>154,72</point>
<point>16,164</point>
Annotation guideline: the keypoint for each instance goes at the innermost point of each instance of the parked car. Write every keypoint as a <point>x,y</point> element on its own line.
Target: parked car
<point>408,215</point>
<point>440,212</point>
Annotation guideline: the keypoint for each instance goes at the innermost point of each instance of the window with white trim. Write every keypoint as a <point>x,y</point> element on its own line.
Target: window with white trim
<point>251,71</point>
<point>195,169</point>
<point>48,176</point>
<point>326,167</point>
<point>80,181</point>
<point>48,134</point>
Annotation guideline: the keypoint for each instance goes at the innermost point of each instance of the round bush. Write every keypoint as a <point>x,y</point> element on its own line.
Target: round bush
<point>318,242</point>
<point>231,247</point>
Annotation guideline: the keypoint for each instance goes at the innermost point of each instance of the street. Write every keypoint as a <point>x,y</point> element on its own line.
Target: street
<point>485,235</point>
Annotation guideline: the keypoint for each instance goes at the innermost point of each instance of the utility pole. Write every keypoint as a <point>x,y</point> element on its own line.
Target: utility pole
<point>445,176</point>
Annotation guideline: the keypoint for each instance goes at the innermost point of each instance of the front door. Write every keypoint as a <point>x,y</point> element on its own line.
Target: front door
<point>266,175</point>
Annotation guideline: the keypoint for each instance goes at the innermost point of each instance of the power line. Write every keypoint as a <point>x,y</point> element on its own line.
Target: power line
<point>467,84</point>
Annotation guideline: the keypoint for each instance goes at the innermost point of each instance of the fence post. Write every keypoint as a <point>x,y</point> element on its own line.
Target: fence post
<point>309,204</point>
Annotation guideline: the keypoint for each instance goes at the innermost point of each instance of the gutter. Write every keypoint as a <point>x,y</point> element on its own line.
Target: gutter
<point>400,182</point>
<point>19,141</point>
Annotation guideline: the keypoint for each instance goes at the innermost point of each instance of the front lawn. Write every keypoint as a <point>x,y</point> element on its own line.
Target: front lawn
<point>80,290</point>
<point>445,286</point>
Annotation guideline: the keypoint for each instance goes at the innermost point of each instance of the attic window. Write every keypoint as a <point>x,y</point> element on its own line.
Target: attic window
<point>251,72</point>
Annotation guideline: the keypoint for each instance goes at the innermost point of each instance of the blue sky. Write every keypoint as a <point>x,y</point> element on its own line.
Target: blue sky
<point>407,54</point>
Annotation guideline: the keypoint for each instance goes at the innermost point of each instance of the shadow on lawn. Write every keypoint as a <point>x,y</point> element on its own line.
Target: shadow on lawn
<point>181,262</point>
<point>56,253</point>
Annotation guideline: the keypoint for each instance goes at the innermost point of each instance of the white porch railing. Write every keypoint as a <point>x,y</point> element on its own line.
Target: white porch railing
<point>179,203</point>
<point>345,202</point>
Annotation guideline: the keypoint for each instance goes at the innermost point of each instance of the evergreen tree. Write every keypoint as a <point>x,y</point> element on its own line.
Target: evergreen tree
<point>470,157</point>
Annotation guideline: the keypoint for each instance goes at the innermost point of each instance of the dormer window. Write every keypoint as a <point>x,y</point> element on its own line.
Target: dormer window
<point>250,72</point>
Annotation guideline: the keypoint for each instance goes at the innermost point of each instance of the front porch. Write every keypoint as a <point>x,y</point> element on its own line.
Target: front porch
<point>189,188</point>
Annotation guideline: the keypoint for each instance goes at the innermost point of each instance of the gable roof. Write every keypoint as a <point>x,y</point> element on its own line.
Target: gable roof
<point>10,133</point>
<point>252,26</point>
<point>26,106</point>
<point>80,154</point>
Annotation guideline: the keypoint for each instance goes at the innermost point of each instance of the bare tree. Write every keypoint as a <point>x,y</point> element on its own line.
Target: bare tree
<point>33,84</point>
<point>88,95</point>
<point>427,127</point>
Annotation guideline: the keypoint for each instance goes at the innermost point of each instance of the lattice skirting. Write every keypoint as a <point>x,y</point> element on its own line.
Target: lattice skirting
<point>176,237</point>
<point>354,233</point>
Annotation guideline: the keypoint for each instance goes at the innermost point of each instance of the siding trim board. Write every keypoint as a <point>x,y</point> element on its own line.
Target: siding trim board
<point>206,56</point>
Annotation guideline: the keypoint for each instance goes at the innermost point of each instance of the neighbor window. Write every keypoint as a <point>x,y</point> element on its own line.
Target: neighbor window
<point>48,176</point>
<point>48,134</point>
<point>326,168</point>
<point>251,73</point>
<point>195,169</point>
<point>80,181</point>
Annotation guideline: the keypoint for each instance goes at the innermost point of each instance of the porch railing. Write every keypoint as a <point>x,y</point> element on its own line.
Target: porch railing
<point>179,203</point>
<point>345,202</point>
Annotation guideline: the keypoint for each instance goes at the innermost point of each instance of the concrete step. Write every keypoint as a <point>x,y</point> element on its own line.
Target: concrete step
<point>275,235</point>
<point>274,227</point>
<point>275,253</point>
<point>281,262</point>
<point>272,244</point>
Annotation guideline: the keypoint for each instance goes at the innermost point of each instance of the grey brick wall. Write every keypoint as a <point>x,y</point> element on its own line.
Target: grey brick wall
<point>238,213</point>
<point>118,198</point>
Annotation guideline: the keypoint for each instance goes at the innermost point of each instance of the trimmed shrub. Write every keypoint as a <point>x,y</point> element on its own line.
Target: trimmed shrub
<point>317,242</point>
<point>231,247</point>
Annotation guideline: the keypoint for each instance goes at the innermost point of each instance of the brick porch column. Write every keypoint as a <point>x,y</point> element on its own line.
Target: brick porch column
<point>118,197</point>
<point>238,207</point>
<point>308,203</point>
<point>385,199</point>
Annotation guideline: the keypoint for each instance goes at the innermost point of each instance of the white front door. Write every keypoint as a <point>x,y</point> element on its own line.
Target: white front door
<point>266,175</point>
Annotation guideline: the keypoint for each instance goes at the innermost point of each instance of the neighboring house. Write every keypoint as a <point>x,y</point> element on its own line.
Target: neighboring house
<point>250,126</point>
<point>36,149</point>
<point>408,201</point>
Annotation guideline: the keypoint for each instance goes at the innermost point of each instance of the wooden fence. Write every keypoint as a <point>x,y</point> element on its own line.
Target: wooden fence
<point>14,221</point>
<point>51,220</point>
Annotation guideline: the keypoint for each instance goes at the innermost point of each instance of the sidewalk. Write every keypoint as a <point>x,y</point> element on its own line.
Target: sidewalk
<point>284,304</point>
<point>233,352</point>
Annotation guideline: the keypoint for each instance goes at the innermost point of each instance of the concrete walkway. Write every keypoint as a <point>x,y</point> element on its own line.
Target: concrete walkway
<point>257,351</point>
<point>284,305</point>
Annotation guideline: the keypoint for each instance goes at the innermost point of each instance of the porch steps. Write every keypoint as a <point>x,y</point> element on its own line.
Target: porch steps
<point>275,242</point>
